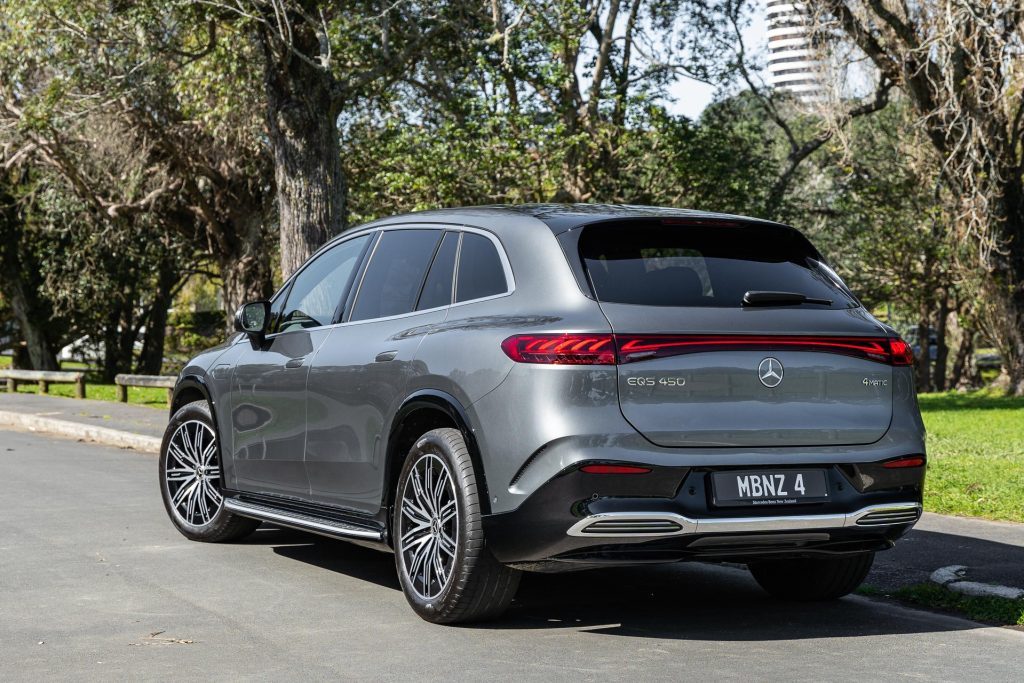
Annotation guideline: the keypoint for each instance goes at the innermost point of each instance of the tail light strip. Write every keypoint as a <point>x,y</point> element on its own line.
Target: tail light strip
<point>608,349</point>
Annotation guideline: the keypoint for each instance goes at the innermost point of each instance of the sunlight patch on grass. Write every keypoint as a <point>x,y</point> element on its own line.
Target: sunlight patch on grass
<point>975,454</point>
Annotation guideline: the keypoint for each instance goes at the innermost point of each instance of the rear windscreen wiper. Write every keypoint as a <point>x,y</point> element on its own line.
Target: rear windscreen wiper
<point>781,299</point>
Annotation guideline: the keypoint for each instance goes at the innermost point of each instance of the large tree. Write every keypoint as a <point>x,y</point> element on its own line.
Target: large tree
<point>85,85</point>
<point>320,61</point>
<point>961,66</point>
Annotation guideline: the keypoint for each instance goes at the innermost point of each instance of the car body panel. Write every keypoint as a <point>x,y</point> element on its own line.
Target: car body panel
<point>350,396</point>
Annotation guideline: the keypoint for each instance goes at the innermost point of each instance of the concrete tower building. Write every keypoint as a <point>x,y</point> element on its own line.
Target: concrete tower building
<point>792,66</point>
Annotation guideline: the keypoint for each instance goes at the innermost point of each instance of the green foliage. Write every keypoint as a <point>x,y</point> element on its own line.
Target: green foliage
<point>975,454</point>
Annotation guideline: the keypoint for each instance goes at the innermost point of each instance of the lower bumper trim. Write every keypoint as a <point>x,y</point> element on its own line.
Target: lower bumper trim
<point>665,524</point>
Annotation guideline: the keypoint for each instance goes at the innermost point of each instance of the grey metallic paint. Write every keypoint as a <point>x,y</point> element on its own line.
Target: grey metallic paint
<point>324,432</point>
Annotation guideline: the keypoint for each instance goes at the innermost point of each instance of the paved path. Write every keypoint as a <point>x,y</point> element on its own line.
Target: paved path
<point>90,568</point>
<point>993,552</point>
<point>125,417</point>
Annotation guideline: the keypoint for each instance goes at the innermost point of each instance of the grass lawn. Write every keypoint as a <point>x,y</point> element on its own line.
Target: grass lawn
<point>1001,611</point>
<point>975,455</point>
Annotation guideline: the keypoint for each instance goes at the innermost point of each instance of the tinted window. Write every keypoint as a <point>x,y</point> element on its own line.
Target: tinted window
<point>480,271</point>
<point>317,291</point>
<point>437,290</point>
<point>657,265</point>
<point>395,273</point>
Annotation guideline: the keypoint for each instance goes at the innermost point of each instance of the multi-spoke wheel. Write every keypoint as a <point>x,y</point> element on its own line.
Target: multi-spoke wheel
<point>429,526</point>
<point>190,478</point>
<point>445,568</point>
<point>192,475</point>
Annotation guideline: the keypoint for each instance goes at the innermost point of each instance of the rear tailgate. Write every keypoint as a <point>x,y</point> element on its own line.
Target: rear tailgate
<point>696,368</point>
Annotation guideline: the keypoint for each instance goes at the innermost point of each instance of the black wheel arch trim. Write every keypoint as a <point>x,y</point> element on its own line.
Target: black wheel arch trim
<point>454,409</point>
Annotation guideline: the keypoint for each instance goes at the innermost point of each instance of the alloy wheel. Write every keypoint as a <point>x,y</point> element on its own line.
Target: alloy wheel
<point>192,476</point>
<point>428,528</point>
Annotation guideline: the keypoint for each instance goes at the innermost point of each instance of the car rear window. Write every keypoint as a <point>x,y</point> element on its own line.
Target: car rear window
<point>705,265</point>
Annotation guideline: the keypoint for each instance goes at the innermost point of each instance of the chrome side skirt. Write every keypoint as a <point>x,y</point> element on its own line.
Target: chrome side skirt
<point>297,520</point>
<point>659,524</point>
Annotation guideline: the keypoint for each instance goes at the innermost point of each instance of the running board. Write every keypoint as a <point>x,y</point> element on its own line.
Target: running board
<point>655,524</point>
<point>303,522</point>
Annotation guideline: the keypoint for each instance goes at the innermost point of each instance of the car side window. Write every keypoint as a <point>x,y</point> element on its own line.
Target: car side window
<point>318,289</point>
<point>395,273</point>
<point>480,269</point>
<point>437,289</point>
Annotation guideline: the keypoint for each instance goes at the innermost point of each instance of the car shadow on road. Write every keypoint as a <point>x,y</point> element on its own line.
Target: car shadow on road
<point>685,601</point>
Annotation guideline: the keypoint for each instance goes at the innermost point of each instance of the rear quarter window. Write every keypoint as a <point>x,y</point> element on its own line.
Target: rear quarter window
<point>481,272</point>
<point>705,265</point>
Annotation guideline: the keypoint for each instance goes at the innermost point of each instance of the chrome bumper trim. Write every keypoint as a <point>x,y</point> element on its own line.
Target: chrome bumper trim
<point>641,521</point>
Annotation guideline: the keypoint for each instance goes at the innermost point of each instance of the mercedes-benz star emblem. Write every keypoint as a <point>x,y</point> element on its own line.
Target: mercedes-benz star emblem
<point>770,372</point>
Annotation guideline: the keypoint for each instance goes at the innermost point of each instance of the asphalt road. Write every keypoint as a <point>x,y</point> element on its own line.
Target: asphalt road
<point>96,584</point>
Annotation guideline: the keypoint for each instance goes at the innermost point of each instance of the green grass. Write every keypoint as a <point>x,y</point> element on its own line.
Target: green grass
<point>100,391</point>
<point>1000,611</point>
<point>143,396</point>
<point>975,454</point>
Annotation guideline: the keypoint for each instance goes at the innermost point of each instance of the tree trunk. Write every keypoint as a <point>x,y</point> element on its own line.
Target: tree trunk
<point>151,357</point>
<point>1013,351</point>
<point>31,321</point>
<point>924,356</point>
<point>118,342</point>
<point>942,346</point>
<point>302,115</point>
<point>963,354</point>
<point>245,273</point>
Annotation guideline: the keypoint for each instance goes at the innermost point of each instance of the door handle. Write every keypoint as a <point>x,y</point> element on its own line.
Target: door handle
<point>295,363</point>
<point>385,356</point>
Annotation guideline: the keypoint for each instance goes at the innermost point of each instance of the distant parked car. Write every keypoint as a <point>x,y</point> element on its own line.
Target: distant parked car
<point>91,351</point>
<point>547,387</point>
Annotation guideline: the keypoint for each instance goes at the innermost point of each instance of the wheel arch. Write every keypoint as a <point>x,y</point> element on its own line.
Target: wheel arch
<point>420,412</point>
<point>188,389</point>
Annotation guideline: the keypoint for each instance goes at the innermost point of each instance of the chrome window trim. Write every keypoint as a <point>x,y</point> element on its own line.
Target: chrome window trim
<point>505,263</point>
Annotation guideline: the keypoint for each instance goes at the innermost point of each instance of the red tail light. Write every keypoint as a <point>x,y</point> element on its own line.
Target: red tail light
<point>901,352</point>
<point>561,349</point>
<point>614,469</point>
<point>909,461</point>
<point>633,348</point>
<point>606,349</point>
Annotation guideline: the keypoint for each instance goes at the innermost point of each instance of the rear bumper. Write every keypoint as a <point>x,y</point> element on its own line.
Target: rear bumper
<point>578,519</point>
<point>662,524</point>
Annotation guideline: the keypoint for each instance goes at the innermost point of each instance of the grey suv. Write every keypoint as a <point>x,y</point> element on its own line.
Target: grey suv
<point>490,390</point>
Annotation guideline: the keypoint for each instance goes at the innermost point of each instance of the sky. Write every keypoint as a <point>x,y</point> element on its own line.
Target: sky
<point>690,96</point>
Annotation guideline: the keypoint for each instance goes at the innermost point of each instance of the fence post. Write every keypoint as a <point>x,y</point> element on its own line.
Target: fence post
<point>170,396</point>
<point>12,385</point>
<point>44,386</point>
<point>80,387</point>
<point>122,393</point>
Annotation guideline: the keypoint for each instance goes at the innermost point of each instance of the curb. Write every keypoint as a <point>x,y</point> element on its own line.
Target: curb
<point>77,430</point>
<point>953,578</point>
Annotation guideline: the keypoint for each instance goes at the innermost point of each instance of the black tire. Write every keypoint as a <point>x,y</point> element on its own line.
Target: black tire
<point>808,580</point>
<point>477,587</point>
<point>219,525</point>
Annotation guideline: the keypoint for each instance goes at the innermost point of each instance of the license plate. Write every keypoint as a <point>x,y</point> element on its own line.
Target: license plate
<point>766,487</point>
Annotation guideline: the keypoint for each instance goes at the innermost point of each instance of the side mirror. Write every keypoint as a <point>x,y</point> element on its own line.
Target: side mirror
<point>252,318</point>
